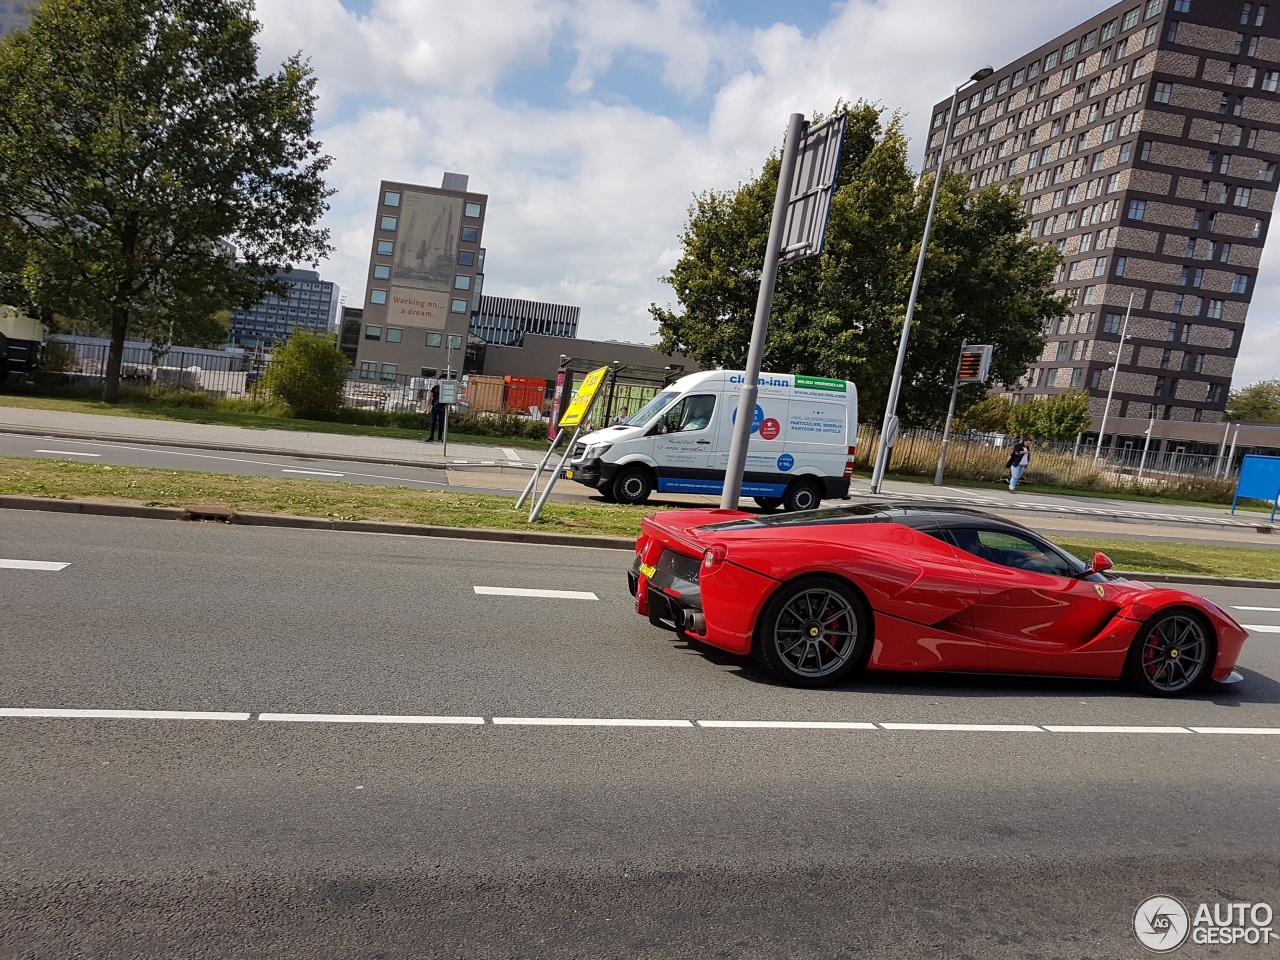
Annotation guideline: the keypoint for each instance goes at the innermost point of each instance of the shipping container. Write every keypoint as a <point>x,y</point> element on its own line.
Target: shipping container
<point>523,393</point>
<point>485,394</point>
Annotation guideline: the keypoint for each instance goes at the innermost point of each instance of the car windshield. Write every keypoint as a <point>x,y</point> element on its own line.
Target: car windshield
<point>652,408</point>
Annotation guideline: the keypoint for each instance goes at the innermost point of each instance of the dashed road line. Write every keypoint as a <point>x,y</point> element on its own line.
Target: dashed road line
<point>785,725</point>
<point>1259,609</point>
<point>586,722</point>
<point>527,592</point>
<point>1091,728</point>
<point>313,473</point>
<point>966,727</point>
<point>33,565</point>
<point>362,718</point>
<point>69,453</point>
<point>40,713</point>
<point>1260,628</point>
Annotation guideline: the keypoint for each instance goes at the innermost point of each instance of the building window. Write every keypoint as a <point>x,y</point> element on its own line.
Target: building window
<point>434,340</point>
<point>368,370</point>
<point>1224,252</point>
<point>1215,393</point>
<point>382,271</point>
<point>1215,310</point>
<point>1126,152</point>
<point>387,223</point>
<point>394,334</point>
<point>462,282</point>
<point>1163,92</point>
<point>1159,388</point>
<point>1181,6</point>
<point>1171,32</point>
<point>1245,14</point>
<point>1111,323</point>
<point>1243,195</point>
<point>1051,377</point>
<point>466,258</point>
<point>1197,278</point>
<point>1120,264</point>
<point>470,234</point>
<point>472,209</point>
<point>377,296</point>
<point>391,199</point>
<point>458,306</point>
<point>1262,14</point>
<point>1240,284</point>
<point>1137,209</point>
<point>372,333</point>
<point>1153,7</point>
<point>386,248</point>
<point>388,371</point>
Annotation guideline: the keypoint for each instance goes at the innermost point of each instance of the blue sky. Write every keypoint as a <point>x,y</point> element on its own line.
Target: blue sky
<point>591,124</point>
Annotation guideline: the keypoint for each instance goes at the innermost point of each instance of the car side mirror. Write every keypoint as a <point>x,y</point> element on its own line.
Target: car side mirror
<point>1100,562</point>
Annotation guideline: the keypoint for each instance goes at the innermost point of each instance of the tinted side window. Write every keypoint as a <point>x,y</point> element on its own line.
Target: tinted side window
<point>1010,550</point>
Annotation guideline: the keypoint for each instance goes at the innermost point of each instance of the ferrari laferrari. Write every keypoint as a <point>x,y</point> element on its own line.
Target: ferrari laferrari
<point>817,596</point>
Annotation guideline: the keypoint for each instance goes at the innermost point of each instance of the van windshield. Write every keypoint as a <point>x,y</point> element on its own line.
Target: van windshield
<point>651,409</point>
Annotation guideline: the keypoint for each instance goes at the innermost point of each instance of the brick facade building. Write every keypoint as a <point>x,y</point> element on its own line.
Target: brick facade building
<point>1145,142</point>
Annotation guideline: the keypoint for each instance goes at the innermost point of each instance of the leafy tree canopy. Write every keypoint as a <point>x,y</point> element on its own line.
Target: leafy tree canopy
<point>138,140</point>
<point>840,314</point>
<point>1059,418</point>
<point>1257,403</point>
<point>308,373</point>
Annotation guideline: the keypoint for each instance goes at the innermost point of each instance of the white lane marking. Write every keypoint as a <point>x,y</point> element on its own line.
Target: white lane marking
<point>362,718</point>
<point>313,473</point>
<point>586,722</point>
<point>69,453</point>
<point>1260,628</point>
<point>510,453</point>
<point>1246,730</point>
<point>208,456</point>
<point>786,725</point>
<point>525,592</point>
<point>1259,609</point>
<point>967,727</point>
<point>1084,728</point>
<point>121,714</point>
<point>32,565</point>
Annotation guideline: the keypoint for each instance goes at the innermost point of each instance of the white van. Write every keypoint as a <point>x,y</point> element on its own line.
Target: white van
<point>801,449</point>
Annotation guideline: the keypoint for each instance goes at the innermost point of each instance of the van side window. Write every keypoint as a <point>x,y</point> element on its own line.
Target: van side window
<point>692,413</point>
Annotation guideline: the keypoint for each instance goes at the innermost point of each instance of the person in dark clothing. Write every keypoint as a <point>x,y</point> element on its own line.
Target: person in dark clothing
<point>1019,460</point>
<point>436,409</point>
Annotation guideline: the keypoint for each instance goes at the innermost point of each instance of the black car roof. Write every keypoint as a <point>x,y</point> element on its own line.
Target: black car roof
<point>917,514</point>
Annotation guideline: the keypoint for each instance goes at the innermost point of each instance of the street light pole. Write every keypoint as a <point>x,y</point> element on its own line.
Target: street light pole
<point>888,431</point>
<point>1102,427</point>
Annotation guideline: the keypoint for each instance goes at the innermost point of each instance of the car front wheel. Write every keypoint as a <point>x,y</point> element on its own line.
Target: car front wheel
<point>1172,654</point>
<point>814,632</point>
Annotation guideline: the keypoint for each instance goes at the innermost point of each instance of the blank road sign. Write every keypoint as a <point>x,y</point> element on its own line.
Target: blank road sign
<point>811,189</point>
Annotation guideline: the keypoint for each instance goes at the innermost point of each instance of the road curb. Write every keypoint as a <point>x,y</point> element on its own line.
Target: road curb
<point>227,448</point>
<point>198,513</point>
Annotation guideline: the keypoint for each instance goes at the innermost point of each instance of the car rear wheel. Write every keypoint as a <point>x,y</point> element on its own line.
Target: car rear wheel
<point>632,485</point>
<point>813,632</point>
<point>1172,654</point>
<point>768,503</point>
<point>802,495</point>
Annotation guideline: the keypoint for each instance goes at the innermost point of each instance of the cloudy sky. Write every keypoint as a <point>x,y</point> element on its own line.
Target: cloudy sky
<point>592,123</point>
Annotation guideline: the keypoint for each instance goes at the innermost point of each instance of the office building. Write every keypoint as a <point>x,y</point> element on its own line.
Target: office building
<point>310,304</point>
<point>1145,142</point>
<point>505,320</point>
<point>425,265</point>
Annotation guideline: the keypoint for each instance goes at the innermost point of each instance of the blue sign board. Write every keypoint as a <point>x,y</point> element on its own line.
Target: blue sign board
<point>1259,480</point>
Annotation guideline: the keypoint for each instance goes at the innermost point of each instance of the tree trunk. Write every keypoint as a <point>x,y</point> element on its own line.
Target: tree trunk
<point>119,327</point>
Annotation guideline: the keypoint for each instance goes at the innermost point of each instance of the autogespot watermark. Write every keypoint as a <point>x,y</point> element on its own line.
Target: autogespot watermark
<point>1163,924</point>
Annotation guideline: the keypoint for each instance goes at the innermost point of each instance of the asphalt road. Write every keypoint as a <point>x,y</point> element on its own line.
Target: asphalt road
<point>492,836</point>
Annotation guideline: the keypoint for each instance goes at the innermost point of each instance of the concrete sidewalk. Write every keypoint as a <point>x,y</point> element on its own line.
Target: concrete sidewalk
<point>87,426</point>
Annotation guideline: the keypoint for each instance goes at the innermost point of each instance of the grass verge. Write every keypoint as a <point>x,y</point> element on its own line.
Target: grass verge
<point>350,501</point>
<point>255,421</point>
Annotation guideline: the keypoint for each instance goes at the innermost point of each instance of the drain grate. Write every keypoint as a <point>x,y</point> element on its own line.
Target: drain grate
<point>209,514</point>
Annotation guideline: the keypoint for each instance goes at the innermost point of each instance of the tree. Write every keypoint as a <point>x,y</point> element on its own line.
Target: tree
<point>988,415</point>
<point>138,142</point>
<point>1059,419</point>
<point>840,314</point>
<point>308,374</point>
<point>1256,403</point>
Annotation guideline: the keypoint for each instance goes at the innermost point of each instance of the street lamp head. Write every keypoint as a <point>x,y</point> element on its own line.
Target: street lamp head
<point>982,74</point>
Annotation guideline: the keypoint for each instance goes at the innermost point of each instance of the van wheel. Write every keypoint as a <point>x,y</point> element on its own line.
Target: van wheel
<point>768,503</point>
<point>802,495</point>
<point>632,485</point>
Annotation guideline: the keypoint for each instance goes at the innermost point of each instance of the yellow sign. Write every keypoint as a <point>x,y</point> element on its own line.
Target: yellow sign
<point>582,399</point>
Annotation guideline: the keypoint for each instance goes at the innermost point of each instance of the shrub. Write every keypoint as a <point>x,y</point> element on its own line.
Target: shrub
<point>308,374</point>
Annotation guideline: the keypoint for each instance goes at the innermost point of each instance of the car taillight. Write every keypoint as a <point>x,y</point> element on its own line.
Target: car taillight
<point>714,556</point>
<point>848,466</point>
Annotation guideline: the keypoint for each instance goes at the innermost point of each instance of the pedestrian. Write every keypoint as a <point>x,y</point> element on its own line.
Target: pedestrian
<point>621,416</point>
<point>436,410</point>
<point>1019,460</point>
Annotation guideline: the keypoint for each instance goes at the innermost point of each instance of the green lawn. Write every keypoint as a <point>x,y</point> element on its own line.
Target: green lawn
<point>349,501</point>
<point>156,411</point>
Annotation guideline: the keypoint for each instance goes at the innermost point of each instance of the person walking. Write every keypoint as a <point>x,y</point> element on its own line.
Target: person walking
<point>436,409</point>
<point>1019,460</point>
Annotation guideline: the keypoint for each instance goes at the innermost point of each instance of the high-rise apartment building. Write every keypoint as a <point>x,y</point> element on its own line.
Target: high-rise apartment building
<point>1146,142</point>
<point>311,304</point>
<point>505,320</point>
<point>425,266</point>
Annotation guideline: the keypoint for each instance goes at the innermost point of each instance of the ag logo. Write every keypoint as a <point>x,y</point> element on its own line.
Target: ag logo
<point>1161,924</point>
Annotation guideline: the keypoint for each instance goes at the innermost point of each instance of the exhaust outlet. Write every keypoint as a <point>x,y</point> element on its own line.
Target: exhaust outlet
<point>692,621</point>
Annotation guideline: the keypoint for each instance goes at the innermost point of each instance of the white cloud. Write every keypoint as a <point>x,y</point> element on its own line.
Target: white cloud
<point>590,185</point>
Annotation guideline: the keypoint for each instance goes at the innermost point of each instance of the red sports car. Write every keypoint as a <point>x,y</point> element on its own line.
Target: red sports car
<point>819,595</point>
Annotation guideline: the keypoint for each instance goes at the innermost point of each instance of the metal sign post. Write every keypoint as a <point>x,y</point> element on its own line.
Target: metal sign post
<point>448,397</point>
<point>801,208</point>
<point>974,366</point>
<point>576,416</point>
<point>1106,410</point>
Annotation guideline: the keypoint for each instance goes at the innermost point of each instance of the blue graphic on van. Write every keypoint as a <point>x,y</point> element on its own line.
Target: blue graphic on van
<point>786,462</point>
<point>755,420</point>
